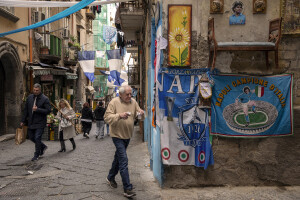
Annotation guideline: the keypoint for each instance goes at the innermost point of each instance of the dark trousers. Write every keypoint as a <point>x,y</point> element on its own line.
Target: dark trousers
<point>86,127</point>
<point>35,135</point>
<point>120,162</point>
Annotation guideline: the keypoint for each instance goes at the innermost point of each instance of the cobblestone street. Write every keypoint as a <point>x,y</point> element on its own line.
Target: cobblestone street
<point>81,174</point>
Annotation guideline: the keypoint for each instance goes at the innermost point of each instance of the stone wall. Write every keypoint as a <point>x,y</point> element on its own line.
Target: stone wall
<point>267,161</point>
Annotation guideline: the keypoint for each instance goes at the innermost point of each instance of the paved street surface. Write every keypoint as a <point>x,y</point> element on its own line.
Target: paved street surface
<point>81,174</point>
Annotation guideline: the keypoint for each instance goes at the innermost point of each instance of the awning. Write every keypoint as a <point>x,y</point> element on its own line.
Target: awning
<point>39,71</point>
<point>71,76</point>
<point>45,69</point>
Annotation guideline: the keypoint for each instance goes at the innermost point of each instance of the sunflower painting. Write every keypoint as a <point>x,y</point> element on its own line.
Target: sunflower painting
<point>179,35</point>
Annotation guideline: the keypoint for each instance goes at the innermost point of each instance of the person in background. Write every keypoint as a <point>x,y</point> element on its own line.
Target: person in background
<point>66,127</point>
<point>120,115</point>
<point>37,107</point>
<point>99,113</point>
<point>86,119</point>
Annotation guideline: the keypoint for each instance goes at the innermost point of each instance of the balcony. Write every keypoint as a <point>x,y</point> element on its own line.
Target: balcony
<point>51,55</point>
<point>70,56</point>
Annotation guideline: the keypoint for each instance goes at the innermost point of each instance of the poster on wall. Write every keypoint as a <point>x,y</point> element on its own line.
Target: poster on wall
<point>179,35</point>
<point>252,106</point>
<point>237,18</point>
<point>184,126</point>
<point>290,10</point>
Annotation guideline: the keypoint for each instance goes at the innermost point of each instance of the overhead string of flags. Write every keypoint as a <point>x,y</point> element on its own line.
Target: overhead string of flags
<point>61,4</point>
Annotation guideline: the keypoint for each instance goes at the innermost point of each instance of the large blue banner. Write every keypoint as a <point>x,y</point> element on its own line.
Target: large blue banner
<point>184,126</point>
<point>252,106</point>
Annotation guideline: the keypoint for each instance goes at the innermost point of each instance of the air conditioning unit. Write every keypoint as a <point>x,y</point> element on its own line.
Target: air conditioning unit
<point>66,33</point>
<point>38,16</point>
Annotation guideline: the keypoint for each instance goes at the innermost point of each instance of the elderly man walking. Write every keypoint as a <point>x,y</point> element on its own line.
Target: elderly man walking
<point>36,109</point>
<point>120,115</point>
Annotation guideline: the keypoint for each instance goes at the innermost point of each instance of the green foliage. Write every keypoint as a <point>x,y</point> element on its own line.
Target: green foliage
<point>77,45</point>
<point>184,55</point>
<point>72,38</point>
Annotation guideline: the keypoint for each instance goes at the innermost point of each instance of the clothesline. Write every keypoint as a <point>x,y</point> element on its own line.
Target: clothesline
<point>34,4</point>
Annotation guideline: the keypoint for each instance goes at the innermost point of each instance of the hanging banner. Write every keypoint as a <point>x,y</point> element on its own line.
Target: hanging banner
<point>86,60</point>
<point>252,106</point>
<point>185,127</point>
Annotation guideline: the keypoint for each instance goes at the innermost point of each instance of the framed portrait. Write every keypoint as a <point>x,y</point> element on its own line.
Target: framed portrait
<point>259,6</point>
<point>237,17</point>
<point>216,6</point>
<point>179,35</point>
<point>290,11</point>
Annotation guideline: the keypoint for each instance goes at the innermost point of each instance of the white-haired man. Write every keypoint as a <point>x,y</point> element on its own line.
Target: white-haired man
<point>120,115</point>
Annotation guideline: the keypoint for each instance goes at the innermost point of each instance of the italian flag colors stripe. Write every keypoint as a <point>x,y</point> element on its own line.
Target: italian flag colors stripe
<point>183,156</point>
<point>201,157</point>
<point>165,153</point>
<point>259,91</point>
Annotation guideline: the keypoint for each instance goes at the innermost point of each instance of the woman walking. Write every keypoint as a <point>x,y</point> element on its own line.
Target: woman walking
<point>66,128</point>
<point>86,119</point>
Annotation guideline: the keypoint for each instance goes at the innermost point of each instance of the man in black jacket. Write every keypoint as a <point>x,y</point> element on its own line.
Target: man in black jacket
<point>36,109</point>
<point>99,113</point>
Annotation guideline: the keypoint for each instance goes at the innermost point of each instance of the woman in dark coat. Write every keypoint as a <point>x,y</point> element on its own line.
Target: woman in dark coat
<point>86,119</point>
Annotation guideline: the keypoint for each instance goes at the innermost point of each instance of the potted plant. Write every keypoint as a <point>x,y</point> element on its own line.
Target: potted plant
<point>73,39</point>
<point>77,46</point>
<point>44,50</point>
<point>70,44</point>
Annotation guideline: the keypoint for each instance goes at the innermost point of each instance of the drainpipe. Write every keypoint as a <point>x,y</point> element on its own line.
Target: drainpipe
<point>30,49</point>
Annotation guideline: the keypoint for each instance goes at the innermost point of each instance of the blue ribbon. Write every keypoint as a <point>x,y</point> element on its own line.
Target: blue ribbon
<point>56,17</point>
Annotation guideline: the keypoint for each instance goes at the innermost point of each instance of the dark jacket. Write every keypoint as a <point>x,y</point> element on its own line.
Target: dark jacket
<point>87,113</point>
<point>99,113</point>
<point>37,119</point>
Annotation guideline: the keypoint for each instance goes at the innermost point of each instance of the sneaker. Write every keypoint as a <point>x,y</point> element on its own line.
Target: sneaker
<point>43,150</point>
<point>112,183</point>
<point>129,193</point>
<point>35,158</point>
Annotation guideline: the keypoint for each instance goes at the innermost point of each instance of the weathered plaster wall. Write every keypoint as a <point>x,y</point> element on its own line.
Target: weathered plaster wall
<point>268,161</point>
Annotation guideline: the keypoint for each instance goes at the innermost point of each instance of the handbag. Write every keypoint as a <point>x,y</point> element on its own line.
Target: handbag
<point>21,134</point>
<point>64,123</point>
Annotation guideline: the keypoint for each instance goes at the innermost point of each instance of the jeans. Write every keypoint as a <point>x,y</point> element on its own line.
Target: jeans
<point>35,135</point>
<point>100,128</point>
<point>120,162</point>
